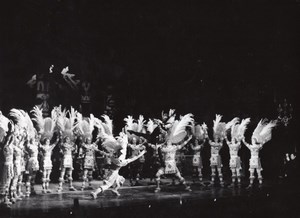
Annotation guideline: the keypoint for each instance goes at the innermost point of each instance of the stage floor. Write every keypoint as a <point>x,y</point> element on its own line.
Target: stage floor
<point>172,201</point>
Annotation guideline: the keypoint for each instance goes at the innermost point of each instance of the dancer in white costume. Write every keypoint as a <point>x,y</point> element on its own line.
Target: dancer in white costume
<point>176,134</point>
<point>136,145</point>
<point>24,132</point>
<point>237,133</point>
<point>66,125</point>
<point>200,133</point>
<point>85,128</point>
<point>46,150</point>
<point>261,135</point>
<point>46,129</point>
<point>219,129</point>
<point>32,166</point>
<point>117,149</point>
<point>6,158</point>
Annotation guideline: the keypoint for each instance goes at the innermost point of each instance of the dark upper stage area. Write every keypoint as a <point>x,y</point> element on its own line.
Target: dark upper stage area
<point>203,57</point>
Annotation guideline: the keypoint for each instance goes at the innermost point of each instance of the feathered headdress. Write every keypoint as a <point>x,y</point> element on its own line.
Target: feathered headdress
<point>66,122</point>
<point>151,126</point>
<point>231,123</point>
<point>141,122</point>
<point>19,117</point>
<point>4,121</point>
<point>200,131</point>
<point>130,124</point>
<point>44,126</point>
<point>178,130</point>
<point>169,119</point>
<point>107,124</point>
<point>109,141</point>
<point>238,130</point>
<point>23,120</point>
<point>219,127</point>
<point>263,131</point>
<point>85,126</point>
<point>30,128</point>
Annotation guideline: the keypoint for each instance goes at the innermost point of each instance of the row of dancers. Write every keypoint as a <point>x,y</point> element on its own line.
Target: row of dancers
<point>22,137</point>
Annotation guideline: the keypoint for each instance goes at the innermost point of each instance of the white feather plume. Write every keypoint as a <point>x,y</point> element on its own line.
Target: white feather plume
<point>38,118</point>
<point>259,127</point>
<point>129,122</point>
<point>72,118</point>
<point>171,112</point>
<point>141,123</point>
<point>30,128</point>
<point>243,126</point>
<point>85,126</point>
<point>108,124</point>
<point>204,126</point>
<point>4,122</point>
<point>216,122</point>
<point>263,131</point>
<point>178,130</point>
<point>19,118</point>
<point>151,126</point>
<point>266,132</point>
<point>233,122</point>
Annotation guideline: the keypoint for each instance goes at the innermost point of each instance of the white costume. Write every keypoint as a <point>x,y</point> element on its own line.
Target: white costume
<point>177,132</point>
<point>117,149</point>
<point>237,133</point>
<point>261,135</point>
<point>45,128</point>
<point>66,125</point>
<point>219,129</point>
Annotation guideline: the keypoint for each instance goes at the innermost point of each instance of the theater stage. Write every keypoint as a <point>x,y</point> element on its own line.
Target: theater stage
<point>274,199</point>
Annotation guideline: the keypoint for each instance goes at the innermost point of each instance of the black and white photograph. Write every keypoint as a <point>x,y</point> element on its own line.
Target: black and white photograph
<point>149,109</point>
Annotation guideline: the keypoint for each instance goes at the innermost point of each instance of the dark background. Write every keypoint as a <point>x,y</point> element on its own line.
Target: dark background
<point>203,57</point>
<point>195,56</point>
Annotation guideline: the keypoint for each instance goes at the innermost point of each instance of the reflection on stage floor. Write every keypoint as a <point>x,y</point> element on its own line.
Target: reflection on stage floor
<point>173,200</point>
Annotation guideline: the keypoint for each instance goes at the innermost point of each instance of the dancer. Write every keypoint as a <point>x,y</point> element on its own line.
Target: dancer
<point>135,146</point>
<point>22,131</point>
<point>136,167</point>
<point>85,128</point>
<point>237,133</point>
<point>176,134</point>
<point>219,129</point>
<point>32,166</point>
<point>46,150</point>
<point>25,142</point>
<point>6,151</point>
<point>46,130</point>
<point>200,132</point>
<point>157,158</point>
<point>17,156</point>
<point>117,149</point>
<point>66,125</point>
<point>261,135</point>
<point>89,150</point>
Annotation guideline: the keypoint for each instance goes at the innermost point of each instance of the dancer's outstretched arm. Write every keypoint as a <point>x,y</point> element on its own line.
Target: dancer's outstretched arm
<point>54,144</point>
<point>227,141</point>
<point>127,161</point>
<point>245,143</point>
